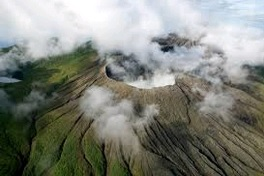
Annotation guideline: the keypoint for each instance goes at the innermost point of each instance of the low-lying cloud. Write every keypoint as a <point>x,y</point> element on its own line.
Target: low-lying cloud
<point>34,101</point>
<point>115,119</point>
<point>220,104</point>
<point>128,27</point>
<point>54,27</point>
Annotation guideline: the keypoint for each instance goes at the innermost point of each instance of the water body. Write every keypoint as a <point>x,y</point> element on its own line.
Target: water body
<point>7,80</point>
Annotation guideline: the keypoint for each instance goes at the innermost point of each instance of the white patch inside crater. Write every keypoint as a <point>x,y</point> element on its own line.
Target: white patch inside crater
<point>159,79</point>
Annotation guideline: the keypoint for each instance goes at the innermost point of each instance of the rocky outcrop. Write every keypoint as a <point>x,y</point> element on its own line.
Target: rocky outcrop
<point>168,43</point>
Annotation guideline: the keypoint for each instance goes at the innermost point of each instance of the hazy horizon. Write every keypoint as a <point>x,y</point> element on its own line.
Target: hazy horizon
<point>248,13</point>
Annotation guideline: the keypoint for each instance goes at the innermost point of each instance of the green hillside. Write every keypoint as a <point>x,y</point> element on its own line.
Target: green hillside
<point>60,139</point>
<point>46,76</point>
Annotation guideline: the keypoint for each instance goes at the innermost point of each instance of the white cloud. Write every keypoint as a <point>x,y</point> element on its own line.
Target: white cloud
<point>128,26</point>
<point>32,102</point>
<point>158,79</point>
<point>115,119</point>
<point>219,103</point>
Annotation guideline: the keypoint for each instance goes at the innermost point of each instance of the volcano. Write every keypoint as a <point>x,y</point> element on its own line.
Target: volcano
<point>137,87</point>
<point>179,139</point>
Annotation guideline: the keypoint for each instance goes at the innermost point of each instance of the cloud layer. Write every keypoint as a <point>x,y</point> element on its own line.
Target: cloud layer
<point>30,103</point>
<point>129,27</point>
<point>55,26</point>
<point>115,119</point>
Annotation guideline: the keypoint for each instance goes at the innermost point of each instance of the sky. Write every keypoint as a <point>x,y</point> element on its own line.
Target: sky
<point>31,14</point>
<point>230,26</point>
<point>242,12</point>
<point>77,21</point>
<point>5,43</point>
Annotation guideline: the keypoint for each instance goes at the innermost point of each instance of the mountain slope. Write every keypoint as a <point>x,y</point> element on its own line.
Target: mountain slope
<point>44,76</point>
<point>180,140</point>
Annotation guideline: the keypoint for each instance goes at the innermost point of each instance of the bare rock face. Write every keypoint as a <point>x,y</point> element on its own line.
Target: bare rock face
<point>168,43</point>
<point>180,140</point>
<point>127,68</point>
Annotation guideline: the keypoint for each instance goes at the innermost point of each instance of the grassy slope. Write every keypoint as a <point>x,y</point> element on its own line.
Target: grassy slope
<point>16,135</point>
<point>49,74</point>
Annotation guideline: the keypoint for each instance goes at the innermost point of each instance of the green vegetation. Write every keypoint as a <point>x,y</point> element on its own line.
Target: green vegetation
<point>94,154</point>
<point>259,71</point>
<point>14,145</point>
<point>50,73</point>
<point>46,75</point>
<point>118,170</point>
<point>7,49</point>
<point>72,161</point>
<point>47,147</point>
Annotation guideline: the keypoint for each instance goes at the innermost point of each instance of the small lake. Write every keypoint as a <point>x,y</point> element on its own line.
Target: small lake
<point>7,80</point>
